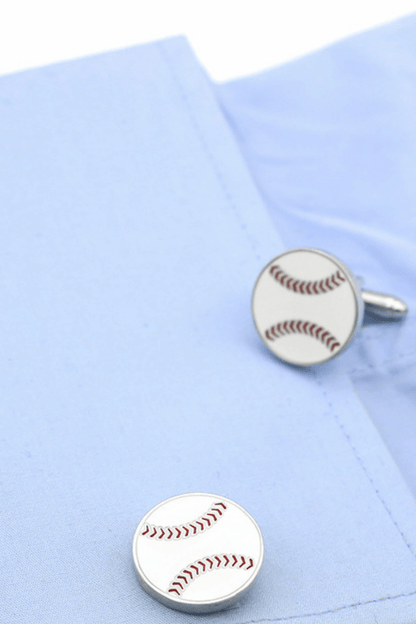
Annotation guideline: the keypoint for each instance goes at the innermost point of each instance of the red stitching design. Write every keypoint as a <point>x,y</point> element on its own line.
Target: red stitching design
<point>307,288</point>
<point>196,568</point>
<point>302,327</point>
<point>201,524</point>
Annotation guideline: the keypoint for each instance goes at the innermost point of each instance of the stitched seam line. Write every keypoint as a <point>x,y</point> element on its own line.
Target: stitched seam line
<point>397,360</point>
<point>330,611</point>
<point>205,147</point>
<point>294,326</point>
<point>208,564</point>
<point>364,469</point>
<point>304,287</point>
<point>187,530</point>
<point>233,206</point>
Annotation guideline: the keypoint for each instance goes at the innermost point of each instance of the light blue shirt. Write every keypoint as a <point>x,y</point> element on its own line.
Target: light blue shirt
<point>131,234</point>
<point>331,143</point>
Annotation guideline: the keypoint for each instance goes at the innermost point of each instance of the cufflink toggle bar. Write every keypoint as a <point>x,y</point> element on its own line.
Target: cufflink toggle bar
<point>386,306</point>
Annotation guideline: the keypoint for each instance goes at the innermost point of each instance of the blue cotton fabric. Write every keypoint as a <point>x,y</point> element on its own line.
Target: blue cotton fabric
<point>331,143</point>
<point>131,234</point>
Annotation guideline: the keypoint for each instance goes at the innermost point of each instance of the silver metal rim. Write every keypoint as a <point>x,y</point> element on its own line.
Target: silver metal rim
<point>194,606</point>
<point>357,294</point>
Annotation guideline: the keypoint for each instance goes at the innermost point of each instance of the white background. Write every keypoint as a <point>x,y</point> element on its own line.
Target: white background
<point>231,38</point>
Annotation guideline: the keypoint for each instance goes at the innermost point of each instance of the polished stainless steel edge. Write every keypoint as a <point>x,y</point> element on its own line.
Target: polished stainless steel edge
<point>193,606</point>
<point>357,295</point>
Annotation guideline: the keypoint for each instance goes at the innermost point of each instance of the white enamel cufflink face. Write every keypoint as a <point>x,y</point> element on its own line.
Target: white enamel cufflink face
<point>197,553</point>
<point>307,306</point>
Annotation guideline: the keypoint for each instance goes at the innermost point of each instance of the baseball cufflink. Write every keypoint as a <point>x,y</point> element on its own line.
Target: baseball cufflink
<point>197,553</point>
<point>308,306</point>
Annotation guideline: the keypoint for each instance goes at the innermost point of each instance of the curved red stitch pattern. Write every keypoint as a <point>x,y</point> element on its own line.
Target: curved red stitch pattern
<point>173,533</point>
<point>304,287</point>
<point>302,327</point>
<point>207,564</point>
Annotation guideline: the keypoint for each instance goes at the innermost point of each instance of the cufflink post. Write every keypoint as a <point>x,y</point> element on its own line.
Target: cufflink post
<point>385,306</point>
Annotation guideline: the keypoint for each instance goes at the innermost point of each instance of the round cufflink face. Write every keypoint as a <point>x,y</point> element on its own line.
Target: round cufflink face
<point>197,553</point>
<point>307,306</point>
